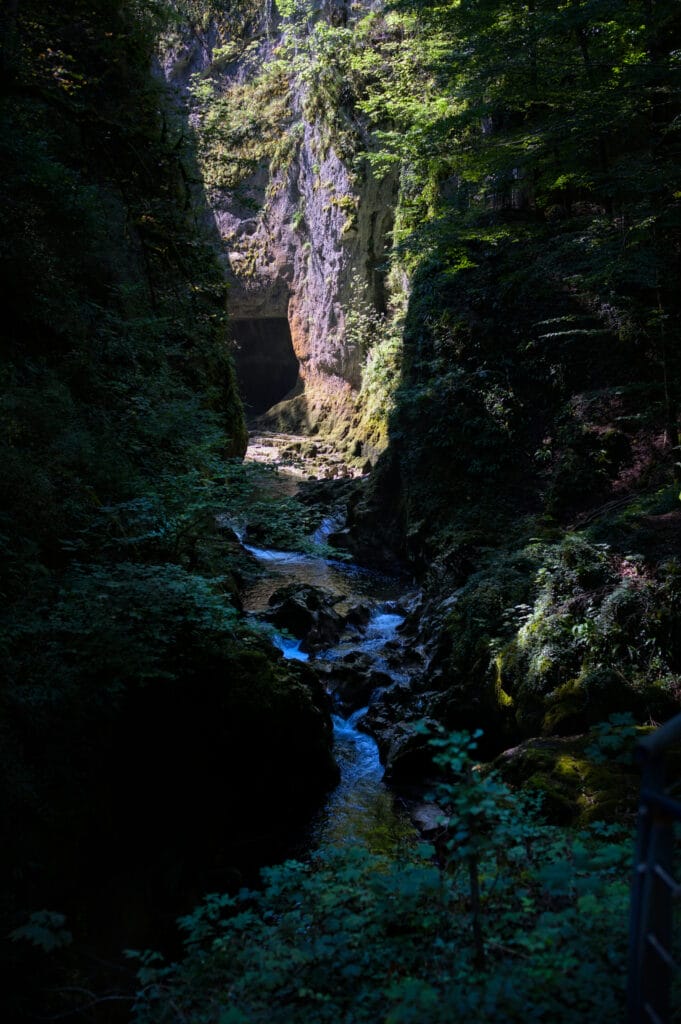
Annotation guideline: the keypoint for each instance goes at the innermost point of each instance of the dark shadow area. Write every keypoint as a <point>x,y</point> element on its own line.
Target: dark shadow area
<point>266,365</point>
<point>148,755</point>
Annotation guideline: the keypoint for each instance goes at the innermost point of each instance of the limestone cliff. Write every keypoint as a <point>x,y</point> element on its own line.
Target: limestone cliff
<point>303,224</point>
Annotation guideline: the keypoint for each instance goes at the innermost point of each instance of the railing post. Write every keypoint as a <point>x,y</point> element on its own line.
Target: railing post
<point>636,916</point>
<point>657,964</point>
<point>653,886</point>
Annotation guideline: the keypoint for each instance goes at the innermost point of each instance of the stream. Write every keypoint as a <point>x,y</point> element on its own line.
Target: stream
<point>361,810</point>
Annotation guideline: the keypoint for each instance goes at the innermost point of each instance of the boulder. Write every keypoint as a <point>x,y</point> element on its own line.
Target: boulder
<point>427,817</point>
<point>408,757</point>
<point>575,787</point>
<point>352,681</point>
<point>307,613</point>
<point>358,616</point>
<point>388,713</point>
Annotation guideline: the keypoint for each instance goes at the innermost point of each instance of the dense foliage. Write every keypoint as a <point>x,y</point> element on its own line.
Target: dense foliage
<point>508,921</point>
<point>531,479</point>
<point>532,471</point>
<point>538,221</point>
<point>132,688</point>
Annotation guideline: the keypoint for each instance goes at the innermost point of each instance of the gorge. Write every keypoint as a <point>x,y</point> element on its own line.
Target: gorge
<point>428,255</point>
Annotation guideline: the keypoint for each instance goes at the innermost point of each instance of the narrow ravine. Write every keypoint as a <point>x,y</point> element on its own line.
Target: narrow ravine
<point>361,810</point>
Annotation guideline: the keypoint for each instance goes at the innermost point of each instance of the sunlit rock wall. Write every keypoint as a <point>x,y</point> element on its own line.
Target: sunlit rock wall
<point>304,237</point>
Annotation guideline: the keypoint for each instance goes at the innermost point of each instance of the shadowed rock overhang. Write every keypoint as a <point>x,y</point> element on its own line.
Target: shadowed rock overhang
<point>266,365</point>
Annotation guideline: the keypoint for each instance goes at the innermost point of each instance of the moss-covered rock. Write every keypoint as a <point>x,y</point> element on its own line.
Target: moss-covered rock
<point>576,787</point>
<point>546,640</point>
<point>588,633</point>
<point>307,613</point>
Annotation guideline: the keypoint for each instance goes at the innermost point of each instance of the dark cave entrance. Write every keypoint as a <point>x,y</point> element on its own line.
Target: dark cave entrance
<point>266,365</point>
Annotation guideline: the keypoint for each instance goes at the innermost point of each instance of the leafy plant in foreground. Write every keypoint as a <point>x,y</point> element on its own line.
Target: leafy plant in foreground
<point>351,936</point>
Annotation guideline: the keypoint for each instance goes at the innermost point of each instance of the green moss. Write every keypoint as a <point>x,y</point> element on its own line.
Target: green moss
<point>576,788</point>
<point>504,700</point>
<point>244,125</point>
<point>565,708</point>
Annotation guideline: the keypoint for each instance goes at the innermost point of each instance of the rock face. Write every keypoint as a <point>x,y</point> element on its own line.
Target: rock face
<point>352,681</point>
<point>301,235</point>
<point>307,613</point>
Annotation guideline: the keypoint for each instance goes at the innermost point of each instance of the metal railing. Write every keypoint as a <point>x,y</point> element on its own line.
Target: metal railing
<point>652,966</point>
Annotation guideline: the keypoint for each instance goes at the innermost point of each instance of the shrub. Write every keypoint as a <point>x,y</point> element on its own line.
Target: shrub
<point>357,937</point>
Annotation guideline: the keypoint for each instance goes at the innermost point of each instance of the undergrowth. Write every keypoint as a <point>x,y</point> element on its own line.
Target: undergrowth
<point>504,919</point>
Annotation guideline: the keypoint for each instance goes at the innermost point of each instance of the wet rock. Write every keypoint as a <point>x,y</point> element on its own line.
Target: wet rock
<point>413,622</point>
<point>352,681</point>
<point>408,757</point>
<point>385,713</point>
<point>358,615</point>
<point>357,659</point>
<point>427,817</point>
<point>325,632</point>
<point>341,539</point>
<point>307,613</point>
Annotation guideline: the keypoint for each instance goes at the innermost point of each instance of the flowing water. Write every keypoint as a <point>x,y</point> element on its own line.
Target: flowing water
<point>361,810</point>
<point>350,583</point>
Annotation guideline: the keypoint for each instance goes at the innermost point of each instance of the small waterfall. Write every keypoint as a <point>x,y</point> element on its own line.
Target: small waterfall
<point>381,630</point>
<point>361,810</point>
<point>328,525</point>
<point>290,647</point>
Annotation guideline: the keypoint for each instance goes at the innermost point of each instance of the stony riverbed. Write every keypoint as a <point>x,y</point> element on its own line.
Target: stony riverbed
<point>345,620</point>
